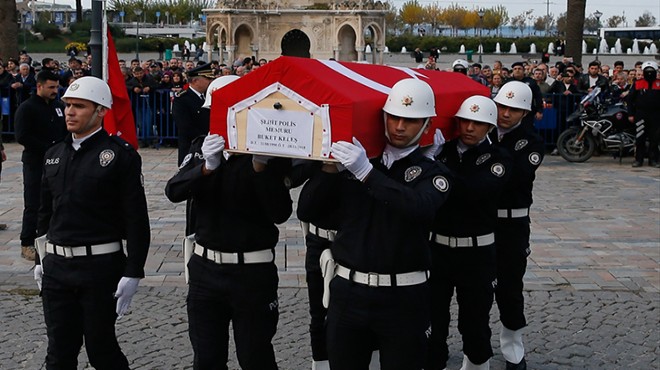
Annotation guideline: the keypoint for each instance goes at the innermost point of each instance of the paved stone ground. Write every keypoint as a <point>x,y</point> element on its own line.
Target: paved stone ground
<point>591,288</point>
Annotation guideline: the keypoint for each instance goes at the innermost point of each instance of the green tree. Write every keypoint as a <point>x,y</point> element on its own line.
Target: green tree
<point>616,21</point>
<point>591,24</point>
<point>561,24</point>
<point>574,28</point>
<point>544,23</point>
<point>645,20</point>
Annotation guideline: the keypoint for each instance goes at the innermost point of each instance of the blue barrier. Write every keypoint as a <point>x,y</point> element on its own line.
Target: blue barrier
<point>155,125</point>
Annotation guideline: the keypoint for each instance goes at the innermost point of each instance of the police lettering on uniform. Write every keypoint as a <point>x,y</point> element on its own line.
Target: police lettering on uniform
<point>39,124</point>
<point>92,199</point>
<point>190,119</point>
<point>238,200</point>
<point>644,109</point>
<point>518,138</point>
<point>379,298</point>
<point>463,240</point>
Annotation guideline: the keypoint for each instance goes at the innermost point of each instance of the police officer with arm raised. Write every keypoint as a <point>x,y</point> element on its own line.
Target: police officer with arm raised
<point>518,138</point>
<point>380,296</point>
<point>463,240</point>
<point>92,198</point>
<point>238,200</point>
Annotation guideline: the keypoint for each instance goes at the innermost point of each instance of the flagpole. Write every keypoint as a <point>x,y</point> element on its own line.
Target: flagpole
<point>104,49</point>
<point>95,41</point>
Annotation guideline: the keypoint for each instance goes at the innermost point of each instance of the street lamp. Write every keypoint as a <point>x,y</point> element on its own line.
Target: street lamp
<point>138,13</point>
<point>598,14</point>
<point>481,13</point>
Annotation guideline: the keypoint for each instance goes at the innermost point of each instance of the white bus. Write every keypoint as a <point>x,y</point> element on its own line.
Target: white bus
<point>648,34</point>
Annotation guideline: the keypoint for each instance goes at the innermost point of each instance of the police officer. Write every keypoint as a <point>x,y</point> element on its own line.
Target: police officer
<point>463,240</point>
<point>514,102</point>
<point>644,110</point>
<point>518,74</point>
<point>39,124</point>
<point>379,297</point>
<point>461,66</point>
<point>238,200</point>
<point>92,198</point>
<point>190,119</point>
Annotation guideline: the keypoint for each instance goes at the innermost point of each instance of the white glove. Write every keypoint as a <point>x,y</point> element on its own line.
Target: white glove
<point>125,291</point>
<point>212,150</point>
<point>263,159</point>
<point>353,157</point>
<point>38,274</point>
<point>438,143</point>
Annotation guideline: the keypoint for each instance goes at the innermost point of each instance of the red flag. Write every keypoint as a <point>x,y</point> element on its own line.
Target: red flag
<point>119,120</point>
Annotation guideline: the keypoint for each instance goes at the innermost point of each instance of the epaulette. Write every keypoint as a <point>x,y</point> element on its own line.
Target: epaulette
<point>123,143</point>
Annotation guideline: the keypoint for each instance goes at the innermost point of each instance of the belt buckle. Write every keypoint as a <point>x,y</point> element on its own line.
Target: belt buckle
<point>374,276</point>
<point>452,241</point>
<point>64,252</point>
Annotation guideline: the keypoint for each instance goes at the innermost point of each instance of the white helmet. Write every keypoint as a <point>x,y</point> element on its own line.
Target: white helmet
<point>479,109</point>
<point>460,63</point>
<point>411,98</point>
<point>651,64</point>
<point>215,85</point>
<point>515,94</point>
<point>90,88</point>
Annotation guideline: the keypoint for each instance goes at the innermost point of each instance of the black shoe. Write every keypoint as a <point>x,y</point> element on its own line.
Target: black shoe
<point>637,164</point>
<point>522,365</point>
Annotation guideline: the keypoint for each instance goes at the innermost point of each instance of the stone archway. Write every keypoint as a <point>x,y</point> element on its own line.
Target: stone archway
<point>347,39</point>
<point>375,39</point>
<point>243,42</point>
<point>217,36</point>
<point>295,43</point>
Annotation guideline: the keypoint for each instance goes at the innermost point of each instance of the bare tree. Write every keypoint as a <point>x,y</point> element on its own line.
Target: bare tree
<point>8,29</point>
<point>574,28</point>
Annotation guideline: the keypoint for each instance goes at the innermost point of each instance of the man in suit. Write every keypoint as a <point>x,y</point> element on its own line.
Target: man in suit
<point>593,78</point>
<point>190,119</point>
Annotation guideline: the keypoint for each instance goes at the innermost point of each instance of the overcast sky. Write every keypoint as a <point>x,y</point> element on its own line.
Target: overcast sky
<point>633,9</point>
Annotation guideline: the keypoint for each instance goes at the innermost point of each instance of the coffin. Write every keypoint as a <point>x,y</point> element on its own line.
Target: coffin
<point>297,107</point>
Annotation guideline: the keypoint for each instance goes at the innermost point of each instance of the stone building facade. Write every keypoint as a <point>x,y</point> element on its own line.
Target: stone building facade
<point>321,29</point>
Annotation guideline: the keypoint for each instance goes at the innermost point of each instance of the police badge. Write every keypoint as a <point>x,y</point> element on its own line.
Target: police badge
<point>483,158</point>
<point>441,183</point>
<point>497,169</point>
<point>535,158</point>
<point>521,144</point>
<point>106,157</point>
<point>412,173</point>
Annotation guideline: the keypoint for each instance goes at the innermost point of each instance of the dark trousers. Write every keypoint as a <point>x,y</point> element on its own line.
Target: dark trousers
<point>79,304</point>
<point>31,200</point>
<point>471,272</point>
<point>512,241</point>
<point>649,130</point>
<point>394,320</point>
<point>315,246</point>
<point>246,295</point>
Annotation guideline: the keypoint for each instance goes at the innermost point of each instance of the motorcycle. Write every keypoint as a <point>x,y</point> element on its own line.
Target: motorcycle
<point>603,125</point>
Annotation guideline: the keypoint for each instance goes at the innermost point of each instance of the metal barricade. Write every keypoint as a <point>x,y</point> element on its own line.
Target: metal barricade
<point>557,108</point>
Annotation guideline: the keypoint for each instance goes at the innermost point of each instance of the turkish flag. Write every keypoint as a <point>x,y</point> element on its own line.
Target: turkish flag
<point>119,120</point>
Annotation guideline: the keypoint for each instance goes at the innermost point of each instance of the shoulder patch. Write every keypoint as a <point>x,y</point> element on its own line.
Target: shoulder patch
<point>412,173</point>
<point>497,169</point>
<point>185,161</point>
<point>535,158</point>
<point>521,144</point>
<point>441,183</point>
<point>483,158</point>
<point>105,157</point>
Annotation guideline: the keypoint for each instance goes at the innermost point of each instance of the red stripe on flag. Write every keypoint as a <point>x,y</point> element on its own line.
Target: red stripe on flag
<point>119,120</point>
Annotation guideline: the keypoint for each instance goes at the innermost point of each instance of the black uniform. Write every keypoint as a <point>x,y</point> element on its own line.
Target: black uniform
<point>644,104</point>
<point>90,197</point>
<point>512,231</point>
<point>463,250</point>
<point>322,229</point>
<point>39,124</point>
<point>190,118</point>
<point>237,209</point>
<point>383,231</point>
